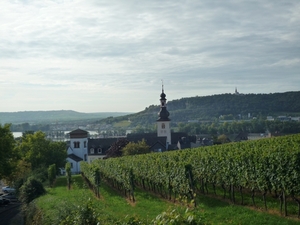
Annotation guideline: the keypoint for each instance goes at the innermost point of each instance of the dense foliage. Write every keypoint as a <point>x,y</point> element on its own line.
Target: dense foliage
<point>40,152</point>
<point>268,165</point>
<point>235,127</point>
<point>7,155</point>
<point>30,190</point>
<point>132,148</point>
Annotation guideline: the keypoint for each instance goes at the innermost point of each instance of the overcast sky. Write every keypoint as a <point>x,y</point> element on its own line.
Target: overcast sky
<point>111,55</point>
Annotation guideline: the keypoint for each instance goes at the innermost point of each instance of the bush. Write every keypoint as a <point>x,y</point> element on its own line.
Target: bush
<point>38,174</point>
<point>177,217</point>
<point>32,215</point>
<point>30,190</point>
<point>82,214</point>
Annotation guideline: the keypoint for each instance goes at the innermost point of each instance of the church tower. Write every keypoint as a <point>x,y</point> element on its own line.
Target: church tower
<point>163,121</point>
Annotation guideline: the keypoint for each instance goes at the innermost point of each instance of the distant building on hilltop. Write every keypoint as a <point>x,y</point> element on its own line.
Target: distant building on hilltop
<point>237,93</point>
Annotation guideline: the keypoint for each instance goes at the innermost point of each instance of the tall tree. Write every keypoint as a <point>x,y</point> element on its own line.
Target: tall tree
<point>7,155</point>
<point>40,152</point>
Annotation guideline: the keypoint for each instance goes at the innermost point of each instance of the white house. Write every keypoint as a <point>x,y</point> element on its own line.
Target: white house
<point>77,150</point>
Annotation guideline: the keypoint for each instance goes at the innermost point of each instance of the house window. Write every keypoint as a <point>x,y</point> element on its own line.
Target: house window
<point>76,144</point>
<point>92,151</point>
<point>163,126</point>
<point>99,150</point>
<point>71,165</point>
<point>84,144</point>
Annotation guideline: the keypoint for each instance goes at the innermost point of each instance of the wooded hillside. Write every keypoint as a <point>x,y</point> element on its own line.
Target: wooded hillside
<point>212,107</point>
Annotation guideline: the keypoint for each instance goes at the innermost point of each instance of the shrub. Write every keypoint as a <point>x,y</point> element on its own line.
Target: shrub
<point>177,217</point>
<point>32,215</point>
<point>82,214</point>
<point>30,190</point>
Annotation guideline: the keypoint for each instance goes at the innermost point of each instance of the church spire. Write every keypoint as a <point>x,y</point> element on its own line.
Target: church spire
<point>163,121</point>
<point>163,114</point>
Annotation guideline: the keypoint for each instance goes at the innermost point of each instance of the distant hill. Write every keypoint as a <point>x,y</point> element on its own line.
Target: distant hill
<point>53,116</point>
<point>212,107</point>
<point>181,110</point>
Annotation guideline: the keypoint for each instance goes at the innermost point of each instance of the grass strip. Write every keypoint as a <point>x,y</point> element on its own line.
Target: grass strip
<point>114,207</point>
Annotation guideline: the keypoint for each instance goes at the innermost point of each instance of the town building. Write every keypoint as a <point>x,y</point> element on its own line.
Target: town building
<point>77,149</point>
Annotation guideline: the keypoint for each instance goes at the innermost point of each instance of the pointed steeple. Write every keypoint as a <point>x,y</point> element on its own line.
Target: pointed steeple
<point>163,114</point>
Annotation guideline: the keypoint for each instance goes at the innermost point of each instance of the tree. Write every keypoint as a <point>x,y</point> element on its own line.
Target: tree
<point>40,152</point>
<point>139,129</point>
<point>136,148</point>
<point>223,139</point>
<point>212,129</point>
<point>7,144</point>
<point>27,132</point>
<point>116,148</point>
<point>21,172</point>
<point>57,154</point>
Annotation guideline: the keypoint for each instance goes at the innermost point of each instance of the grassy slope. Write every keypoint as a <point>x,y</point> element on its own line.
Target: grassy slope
<point>147,207</point>
<point>111,204</point>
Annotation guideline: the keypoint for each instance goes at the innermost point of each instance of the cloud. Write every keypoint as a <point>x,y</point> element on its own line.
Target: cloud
<point>110,50</point>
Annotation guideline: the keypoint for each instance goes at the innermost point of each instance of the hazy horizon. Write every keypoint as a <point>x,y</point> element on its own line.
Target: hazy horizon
<point>111,56</point>
<point>125,111</point>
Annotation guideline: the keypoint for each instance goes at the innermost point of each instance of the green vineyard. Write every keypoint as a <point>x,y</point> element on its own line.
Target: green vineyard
<point>268,166</point>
